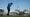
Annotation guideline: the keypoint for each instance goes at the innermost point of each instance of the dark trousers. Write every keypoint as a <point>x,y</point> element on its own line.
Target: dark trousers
<point>8,10</point>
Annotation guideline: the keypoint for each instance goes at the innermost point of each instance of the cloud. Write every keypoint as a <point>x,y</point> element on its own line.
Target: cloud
<point>1,8</point>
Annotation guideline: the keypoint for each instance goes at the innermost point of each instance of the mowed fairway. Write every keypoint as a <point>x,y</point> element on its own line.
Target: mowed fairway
<point>13,16</point>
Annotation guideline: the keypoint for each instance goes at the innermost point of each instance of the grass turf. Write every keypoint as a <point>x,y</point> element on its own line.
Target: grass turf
<point>13,16</point>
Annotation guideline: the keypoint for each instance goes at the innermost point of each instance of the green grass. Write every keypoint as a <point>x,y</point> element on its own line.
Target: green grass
<point>13,16</point>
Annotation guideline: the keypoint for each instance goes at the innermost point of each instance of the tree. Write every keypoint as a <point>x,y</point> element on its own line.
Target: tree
<point>21,13</point>
<point>1,10</point>
<point>18,11</point>
<point>25,10</point>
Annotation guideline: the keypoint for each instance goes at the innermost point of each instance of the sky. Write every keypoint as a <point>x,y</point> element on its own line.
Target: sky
<point>23,4</point>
